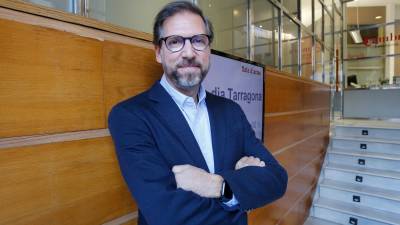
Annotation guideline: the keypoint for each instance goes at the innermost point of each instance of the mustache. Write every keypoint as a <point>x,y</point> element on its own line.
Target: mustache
<point>188,63</point>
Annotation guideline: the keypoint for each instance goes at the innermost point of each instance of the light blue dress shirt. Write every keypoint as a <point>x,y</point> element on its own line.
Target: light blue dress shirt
<point>196,116</point>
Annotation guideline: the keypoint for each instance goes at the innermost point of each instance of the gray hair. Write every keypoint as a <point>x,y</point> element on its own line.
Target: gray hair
<point>177,7</point>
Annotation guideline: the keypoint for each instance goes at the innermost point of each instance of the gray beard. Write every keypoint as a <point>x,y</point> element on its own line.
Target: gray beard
<point>189,81</point>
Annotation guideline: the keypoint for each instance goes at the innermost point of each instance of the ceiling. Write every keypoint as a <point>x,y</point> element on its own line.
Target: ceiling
<point>366,15</point>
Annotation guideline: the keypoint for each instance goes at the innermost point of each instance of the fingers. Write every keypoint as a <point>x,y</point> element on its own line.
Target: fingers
<point>180,168</point>
<point>243,159</point>
<point>241,163</point>
<point>249,161</point>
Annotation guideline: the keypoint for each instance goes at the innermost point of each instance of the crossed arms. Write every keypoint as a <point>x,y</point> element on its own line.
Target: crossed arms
<point>208,185</point>
<point>165,189</point>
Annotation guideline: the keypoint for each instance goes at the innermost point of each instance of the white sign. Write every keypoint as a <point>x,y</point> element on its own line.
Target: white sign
<point>241,82</point>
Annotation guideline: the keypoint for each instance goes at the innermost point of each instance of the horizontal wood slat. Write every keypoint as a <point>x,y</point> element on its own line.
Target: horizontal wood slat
<point>281,131</point>
<point>127,219</point>
<point>49,178</point>
<point>128,70</point>
<point>51,138</point>
<point>51,81</point>
<point>295,112</point>
<point>294,158</point>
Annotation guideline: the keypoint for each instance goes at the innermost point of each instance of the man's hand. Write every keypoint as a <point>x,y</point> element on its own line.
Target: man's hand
<point>249,161</point>
<point>197,180</point>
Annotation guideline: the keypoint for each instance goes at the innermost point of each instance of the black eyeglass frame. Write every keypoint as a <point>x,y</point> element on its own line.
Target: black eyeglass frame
<point>164,39</point>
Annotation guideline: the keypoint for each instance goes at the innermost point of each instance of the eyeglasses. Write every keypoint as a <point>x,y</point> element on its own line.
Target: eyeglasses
<point>176,43</point>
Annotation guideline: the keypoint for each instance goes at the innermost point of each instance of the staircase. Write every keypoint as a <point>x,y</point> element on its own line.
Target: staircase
<point>360,180</point>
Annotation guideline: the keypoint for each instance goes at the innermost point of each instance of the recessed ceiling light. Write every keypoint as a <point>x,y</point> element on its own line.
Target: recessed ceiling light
<point>378,17</point>
<point>235,12</point>
<point>260,26</point>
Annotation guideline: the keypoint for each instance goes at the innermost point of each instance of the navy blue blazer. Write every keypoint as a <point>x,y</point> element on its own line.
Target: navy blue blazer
<point>151,136</point>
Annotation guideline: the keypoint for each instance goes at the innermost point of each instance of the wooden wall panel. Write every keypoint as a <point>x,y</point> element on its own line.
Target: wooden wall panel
<point>315,96</point>
<point>52,181</point>
<point>299,213</point>
<point>294,158</point>
<point>94,209</point>
<point>296,130</point>
<point>305,205</point>
<point>51,81</point>
<point>128,71</point>
<point>283,130</point>
<point>286,93</point>
<point>282,94</point>
<point>298,186</point>
<point>56,82</point>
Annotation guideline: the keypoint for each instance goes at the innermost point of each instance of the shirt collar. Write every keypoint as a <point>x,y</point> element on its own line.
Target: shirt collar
<point>178,97</point>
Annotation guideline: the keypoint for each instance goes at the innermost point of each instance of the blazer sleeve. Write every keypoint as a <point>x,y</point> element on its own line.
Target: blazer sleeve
<point>151,181</point>
<point>255,186</point>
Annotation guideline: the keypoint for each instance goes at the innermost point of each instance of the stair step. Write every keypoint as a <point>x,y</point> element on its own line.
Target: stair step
<point>358,211</point>
<point>361,170</point>
<point>362,189</point>
<point>369,145</point>
<point>367,132</point>
<point>364,154</point>
<point>378,124</point>
<point>365,159</point>
<point>316,221</point>
<point>357,175</point>
<point>343,218</point>
<point>360,182</point>
<point>367,139</point>
<point>362,199</point>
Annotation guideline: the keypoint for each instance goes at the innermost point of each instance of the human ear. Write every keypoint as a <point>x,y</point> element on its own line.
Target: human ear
<point>157,50</point>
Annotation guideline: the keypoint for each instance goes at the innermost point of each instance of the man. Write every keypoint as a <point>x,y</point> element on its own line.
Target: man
<point>190,157</point>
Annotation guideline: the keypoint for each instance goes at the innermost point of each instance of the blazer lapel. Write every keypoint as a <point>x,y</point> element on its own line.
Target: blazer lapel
<point>218,132</point>
<point>172,116</point>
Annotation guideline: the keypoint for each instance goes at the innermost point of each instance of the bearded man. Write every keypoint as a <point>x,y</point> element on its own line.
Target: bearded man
<point>187,156</point>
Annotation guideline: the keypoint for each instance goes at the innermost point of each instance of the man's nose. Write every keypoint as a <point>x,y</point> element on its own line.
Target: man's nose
<point>188,50</point>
